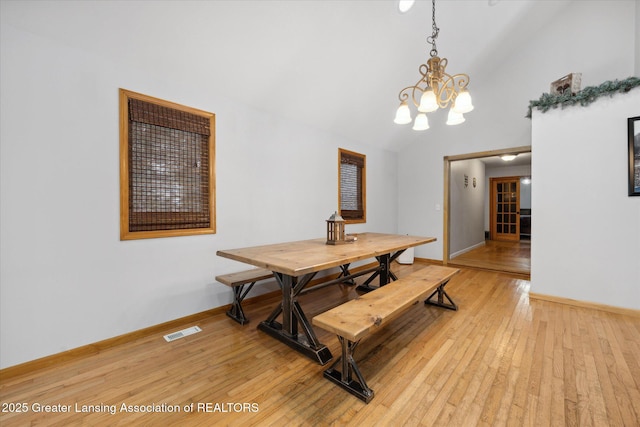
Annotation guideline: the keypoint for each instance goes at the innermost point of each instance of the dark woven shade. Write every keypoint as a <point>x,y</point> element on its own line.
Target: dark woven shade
<point>168,168</point>
<point>351,180</point>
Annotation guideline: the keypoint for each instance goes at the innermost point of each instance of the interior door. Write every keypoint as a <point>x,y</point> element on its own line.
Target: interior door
<point>505,208</point>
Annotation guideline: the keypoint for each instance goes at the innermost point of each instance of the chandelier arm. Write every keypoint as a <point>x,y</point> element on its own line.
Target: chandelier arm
<point>409,92</point>
<point>461,81</point>
<point>447,91</point>
<point>451,86</point>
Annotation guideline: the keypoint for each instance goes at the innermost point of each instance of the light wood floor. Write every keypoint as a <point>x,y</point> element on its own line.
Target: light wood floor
<point>513,257</point>
<point>501,360</point>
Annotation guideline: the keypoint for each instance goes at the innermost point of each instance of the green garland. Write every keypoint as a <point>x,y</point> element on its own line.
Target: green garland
<point>584,97</point>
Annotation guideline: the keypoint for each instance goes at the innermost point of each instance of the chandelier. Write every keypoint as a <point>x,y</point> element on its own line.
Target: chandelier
<point>435,89</point>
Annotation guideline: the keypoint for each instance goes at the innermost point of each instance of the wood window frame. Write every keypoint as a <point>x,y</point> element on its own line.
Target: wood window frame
<point>206,213</point>
<point>359,160</point>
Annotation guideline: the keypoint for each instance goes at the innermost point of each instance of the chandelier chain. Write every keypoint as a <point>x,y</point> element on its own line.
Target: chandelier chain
<point>434,34</point>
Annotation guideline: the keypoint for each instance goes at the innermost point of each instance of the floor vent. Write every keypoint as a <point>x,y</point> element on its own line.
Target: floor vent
<point>181,334</point>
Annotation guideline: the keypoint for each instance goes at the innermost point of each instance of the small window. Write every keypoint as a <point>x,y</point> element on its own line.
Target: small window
<point>352,179</point>
<point>167,181</point>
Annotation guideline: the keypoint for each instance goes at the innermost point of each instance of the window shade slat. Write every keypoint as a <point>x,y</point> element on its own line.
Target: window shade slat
<point>153,114</point>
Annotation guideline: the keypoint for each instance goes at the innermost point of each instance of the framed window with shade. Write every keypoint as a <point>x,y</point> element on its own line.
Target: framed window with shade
<point>167,181</point>
<point>352,186</point>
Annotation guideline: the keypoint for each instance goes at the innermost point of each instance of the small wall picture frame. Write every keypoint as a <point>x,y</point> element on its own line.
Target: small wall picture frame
<point>633,129</point>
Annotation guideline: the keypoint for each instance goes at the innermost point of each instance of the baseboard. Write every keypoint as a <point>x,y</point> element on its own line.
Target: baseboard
<point>470,248</point>
<point>585,304</point>
<point>429,261</point>
<point>95,348</point>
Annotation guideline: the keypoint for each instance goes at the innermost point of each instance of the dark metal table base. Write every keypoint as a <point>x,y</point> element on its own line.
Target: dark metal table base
<point>320,353</point>
<point>384,271</point>
<point>292,316</point>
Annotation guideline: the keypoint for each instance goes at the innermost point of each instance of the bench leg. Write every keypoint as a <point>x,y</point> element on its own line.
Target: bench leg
<point>344,273</point>
<point>344,378</point>
<point>236,312</point>
<point>441,296</point>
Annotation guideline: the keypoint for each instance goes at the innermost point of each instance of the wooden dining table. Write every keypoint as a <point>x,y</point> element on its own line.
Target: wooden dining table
<point>294,264</point>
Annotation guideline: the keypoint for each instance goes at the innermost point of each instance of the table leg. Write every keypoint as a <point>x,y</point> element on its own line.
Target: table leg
<point>306,343</point>
<point>384,272</point>
<point>385,261</point>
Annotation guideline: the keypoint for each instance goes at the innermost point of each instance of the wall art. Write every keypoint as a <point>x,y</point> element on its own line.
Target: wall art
<point>633,129</point>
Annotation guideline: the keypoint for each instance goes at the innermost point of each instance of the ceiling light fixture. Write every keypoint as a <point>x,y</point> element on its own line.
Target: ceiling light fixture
<point>508,157</point>
<point>435,89</point>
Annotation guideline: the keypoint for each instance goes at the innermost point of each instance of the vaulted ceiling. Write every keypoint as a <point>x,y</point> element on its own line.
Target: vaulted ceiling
<point>334,65</point>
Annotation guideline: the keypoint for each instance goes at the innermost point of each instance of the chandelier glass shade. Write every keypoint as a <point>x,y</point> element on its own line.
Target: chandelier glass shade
<point>435,89</point>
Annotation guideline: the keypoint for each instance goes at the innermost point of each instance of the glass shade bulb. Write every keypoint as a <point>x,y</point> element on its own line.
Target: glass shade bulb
<point>405,5</point>
<point>428,102</point>
<point>463,103</point>
<point>454,118</point>
<point>421,123</point>
<point>403,114</point>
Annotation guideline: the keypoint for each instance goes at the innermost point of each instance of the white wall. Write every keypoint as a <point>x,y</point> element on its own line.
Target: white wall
<point>66,278</point>
<point>595,38</point>
<point>637,40</point>
<point>586,244</point>
<point>466,205</point>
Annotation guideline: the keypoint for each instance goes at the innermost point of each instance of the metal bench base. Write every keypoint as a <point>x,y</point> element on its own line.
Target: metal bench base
<point>236,312</point>
<point>344,377</point>
<point>441,296</point>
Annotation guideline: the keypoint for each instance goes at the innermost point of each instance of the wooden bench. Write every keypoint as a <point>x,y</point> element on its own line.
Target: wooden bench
<point>238,281</point>
<point>360,317</point>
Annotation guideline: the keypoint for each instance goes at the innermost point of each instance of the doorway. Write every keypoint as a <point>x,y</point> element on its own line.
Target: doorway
<point>504,208</point>
<point>449,211</point>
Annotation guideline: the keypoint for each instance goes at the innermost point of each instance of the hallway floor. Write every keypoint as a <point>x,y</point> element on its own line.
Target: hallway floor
<point>512,257</point>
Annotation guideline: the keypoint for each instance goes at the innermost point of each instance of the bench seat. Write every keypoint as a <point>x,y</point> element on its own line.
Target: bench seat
<point>360,317</point>
<point>237,282</point>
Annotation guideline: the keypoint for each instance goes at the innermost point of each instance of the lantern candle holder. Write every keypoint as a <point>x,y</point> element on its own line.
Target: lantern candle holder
<point>335,230</point>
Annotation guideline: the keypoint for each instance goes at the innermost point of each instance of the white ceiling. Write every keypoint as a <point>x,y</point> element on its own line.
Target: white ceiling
<point>334,65</point>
